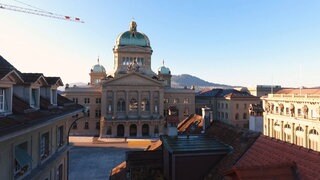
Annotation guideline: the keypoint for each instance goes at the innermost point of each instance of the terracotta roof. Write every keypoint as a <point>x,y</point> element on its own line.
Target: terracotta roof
<point>119,172</point>
<point>192,125</point>
<point>239,139</point>
<point>299,91</point>
<point>266,152</point>
<point>23,116</point>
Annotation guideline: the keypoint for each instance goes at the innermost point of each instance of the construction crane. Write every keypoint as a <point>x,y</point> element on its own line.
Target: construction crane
<point>39,12</point>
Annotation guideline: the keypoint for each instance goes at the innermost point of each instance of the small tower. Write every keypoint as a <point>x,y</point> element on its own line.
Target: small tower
<point>172,120</point>
<point>164,74</point>
<point>97,73</point>
<point>255,118</point>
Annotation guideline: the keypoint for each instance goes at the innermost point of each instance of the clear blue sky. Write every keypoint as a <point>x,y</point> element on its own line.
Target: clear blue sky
<point>246,42</point>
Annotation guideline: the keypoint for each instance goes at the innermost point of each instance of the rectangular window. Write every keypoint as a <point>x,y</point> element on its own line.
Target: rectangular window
<point>34,100</point>
<point>222,105</point>
<point>60,172</point>
<point>44,146</point>
<point>98,125</point>
<point>299,112</point>
<point>75,126</point>
<point>226,106</point>
<point>98,100</point>
<point>244,115</point>
<point>245,106</point>
<point>287,111</point>
<point>237,106</point>
<point>60,139</point>
<point>98,113</point>
<point>88,113</point>
<point>54,96</point>
<point>86,100</point>
<point>86,125</point>
<point>2,100</point>
<point>22,160</point>
<point>75,100</point>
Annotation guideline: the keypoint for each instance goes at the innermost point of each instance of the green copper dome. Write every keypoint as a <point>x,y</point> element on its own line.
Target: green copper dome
<point>164,70</point>
<point>133,37</point>
<point>98,68</point>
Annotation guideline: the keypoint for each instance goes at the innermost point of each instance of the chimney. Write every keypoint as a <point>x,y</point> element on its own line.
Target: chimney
<point>207,118</point>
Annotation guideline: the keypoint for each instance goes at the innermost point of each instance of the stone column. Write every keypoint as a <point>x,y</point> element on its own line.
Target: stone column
<point>114,108</point>
<point>139,103</point>
<point>127,102</point>
<point>306,139</point>
<point>271,133</point>
<point>292,133</point>
<point>281,131</point>
<point>151,100</point>
<point>139,129</point>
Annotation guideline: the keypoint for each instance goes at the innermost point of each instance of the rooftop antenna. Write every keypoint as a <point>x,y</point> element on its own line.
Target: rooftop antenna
<point>98,60</point>
<point>163,62</point>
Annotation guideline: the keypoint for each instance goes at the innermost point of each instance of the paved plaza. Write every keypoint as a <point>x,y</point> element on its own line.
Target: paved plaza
<point>92,160</point>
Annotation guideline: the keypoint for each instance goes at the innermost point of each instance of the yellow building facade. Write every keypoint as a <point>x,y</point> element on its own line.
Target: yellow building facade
<point>33,125</point>
<point>292,115</point>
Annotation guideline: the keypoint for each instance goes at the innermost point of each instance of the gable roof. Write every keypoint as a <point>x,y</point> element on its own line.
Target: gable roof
<point>266,152</point>
<point>54,80</point>
<point>299,91</point>
<point>223,93</point>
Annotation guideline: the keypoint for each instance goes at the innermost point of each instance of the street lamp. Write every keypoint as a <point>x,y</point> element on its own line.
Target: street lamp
<point>84,111</point>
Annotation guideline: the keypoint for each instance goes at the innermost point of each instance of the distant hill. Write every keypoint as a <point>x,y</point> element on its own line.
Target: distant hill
<point>189,80</point>
<point>180,81</point>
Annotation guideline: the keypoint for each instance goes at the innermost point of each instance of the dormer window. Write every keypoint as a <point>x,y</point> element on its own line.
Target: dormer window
<point>5,100</point>
<point>2,100</point>
<point>34,99</point>
<point>54,96</point>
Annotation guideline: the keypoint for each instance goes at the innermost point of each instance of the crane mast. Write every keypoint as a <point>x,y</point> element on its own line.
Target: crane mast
<point>39,13</point>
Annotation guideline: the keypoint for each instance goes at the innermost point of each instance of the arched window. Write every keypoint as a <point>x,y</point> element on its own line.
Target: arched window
<point>133,106</point>
<point>287,133</point>
<point>109,130</point>
<point>313,139</point>
<point>244,116</point>
<point>120,130</point>
<point>145,130</point>
<point>121,105</point>
<point>299,136</point>
<point>145,105</point>
<point>156,129</point>
<point>133,130</point>
<point>277,130</point>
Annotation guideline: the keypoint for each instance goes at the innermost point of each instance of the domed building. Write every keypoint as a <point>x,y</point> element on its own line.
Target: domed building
<point>133,101</point>
<point>97,73</point>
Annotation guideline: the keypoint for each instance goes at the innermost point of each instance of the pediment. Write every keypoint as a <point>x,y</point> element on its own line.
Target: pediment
<point>41,81</point>
<point>12,77</point>
<point>134,79</point>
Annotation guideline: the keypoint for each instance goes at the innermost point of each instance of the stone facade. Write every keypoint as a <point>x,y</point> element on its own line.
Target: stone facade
<point>133,101</point>
<point>33,125</point>
<point>292,115</point>
<point>228,105</point>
